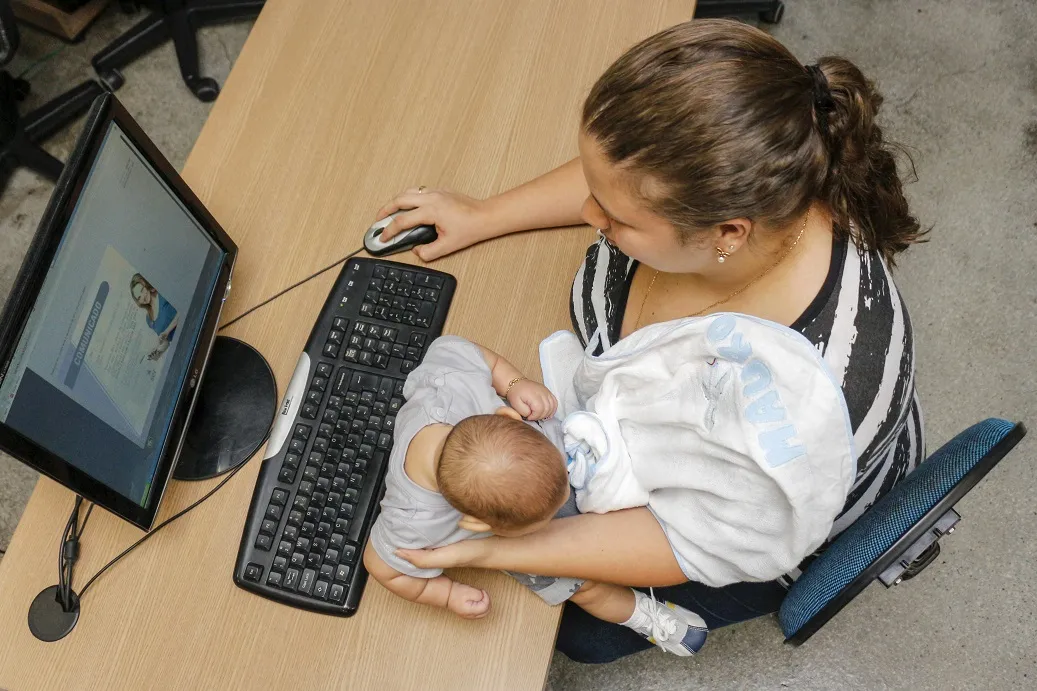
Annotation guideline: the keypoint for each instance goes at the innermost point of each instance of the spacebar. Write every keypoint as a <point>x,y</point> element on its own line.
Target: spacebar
<point>366,502</point>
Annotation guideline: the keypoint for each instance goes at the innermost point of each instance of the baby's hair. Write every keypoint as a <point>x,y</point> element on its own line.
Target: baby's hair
<point>501,471</point>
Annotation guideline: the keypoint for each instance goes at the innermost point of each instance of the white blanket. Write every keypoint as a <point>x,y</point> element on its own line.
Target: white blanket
<point>729,428</point>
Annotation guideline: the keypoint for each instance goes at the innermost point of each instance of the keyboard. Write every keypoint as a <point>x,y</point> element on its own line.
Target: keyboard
<point>320,484</point>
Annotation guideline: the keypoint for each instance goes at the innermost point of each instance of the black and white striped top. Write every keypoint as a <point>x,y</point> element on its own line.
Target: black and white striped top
<point>858,323</point>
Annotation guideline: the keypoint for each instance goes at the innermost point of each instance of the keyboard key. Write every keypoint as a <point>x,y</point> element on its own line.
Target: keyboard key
<point>352,354</point>
<point>341,526</point>
<point>302,432</point>
<point>329,514</point>
<point>342,573</point>
<point>337,594</point>
<point>319,383</point>
<point>432,294</point>
<point>295,518</point>
<point>280,564</point>
<point>323,484</point>
<point>308,529</point>
<point>337,541</point>
<point>297,446</point>
<point>413,353</point>
<point>385,348</point>
<point>324,369</point>
<point>309,411</point>
<point>313,560</point>
<point>363,382</point>
<point>395,275</point>
<point>318,497</point>
<point>348,554</point>
<point>366,452</point>
<point>335,498</point>
<point>339,483</point>
<point>253,572</point>
<point>324,529</point>
<point>264,542</point>
<point>313,396</point>
<point>331,351</point>
<point>273,512</point>
<point>319,545</point>
<point>325,430</point>
<point>291,461</point>
<point>327,571</point>
<point>407,367</point>
<point>381,361</point>
<point>417,339</point>
<point>335,402</point>
<point>320,590</point>
<point>302,545</point>
<point>268,527</point>
<point>306,582</point>
<point>395,404</point>
<point>360,464</point>
<point>310,473</point>
<point>380,408</point>
<point>384,441</point>
<point>366,358</point>
<point>290,532</point>
<point>398,350</point>
<point>335,336</point>
<point>371,436</point>
<point>356,341</point>
<point>331,556</point>
<point>347,510</point>
<point>367,309</point>
<point>287,476</point>
<point>312,517</point>
<point>399,388</point>
<point>379,271</point>
<point>352,496</point>
<point>284,548</point>
<point>390,424</point>
<point>291,579</point>
<point>274,579</point>
<point>299,560</point>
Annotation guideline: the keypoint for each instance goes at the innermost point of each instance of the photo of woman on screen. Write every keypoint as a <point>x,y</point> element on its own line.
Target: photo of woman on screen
<point>160,314</point>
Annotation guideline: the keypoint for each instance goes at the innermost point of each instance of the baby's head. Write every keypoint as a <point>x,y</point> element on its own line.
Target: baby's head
<point>503,474</point>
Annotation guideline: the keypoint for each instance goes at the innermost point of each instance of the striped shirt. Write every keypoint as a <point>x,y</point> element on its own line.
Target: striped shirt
<point>857,322</point>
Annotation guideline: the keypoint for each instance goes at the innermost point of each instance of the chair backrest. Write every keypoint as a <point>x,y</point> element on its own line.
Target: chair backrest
<point>899,529</point>
<point>8,33</point>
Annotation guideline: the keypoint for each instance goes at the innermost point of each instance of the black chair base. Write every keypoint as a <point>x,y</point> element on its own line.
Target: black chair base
<point>19,142</point>
<point>177,20</point>
<point>769,11</point>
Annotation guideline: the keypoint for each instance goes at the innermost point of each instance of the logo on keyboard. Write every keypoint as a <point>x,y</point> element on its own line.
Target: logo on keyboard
<point>287,404</point>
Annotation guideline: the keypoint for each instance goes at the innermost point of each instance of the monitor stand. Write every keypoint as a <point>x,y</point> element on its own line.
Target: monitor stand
<point>233,414</point>
<point>231,420</point>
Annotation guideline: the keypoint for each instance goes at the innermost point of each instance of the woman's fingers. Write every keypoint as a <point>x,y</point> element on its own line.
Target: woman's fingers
<point>407,200</point>
<point>408,219</point>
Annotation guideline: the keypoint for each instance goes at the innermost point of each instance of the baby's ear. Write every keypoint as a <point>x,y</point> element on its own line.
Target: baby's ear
<point>473,524</point>
<point>508,411</point>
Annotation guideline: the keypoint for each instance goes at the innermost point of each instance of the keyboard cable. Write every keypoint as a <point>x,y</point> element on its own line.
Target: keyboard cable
<point>72,535</point>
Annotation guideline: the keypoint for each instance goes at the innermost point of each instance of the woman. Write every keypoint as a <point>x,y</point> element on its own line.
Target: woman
<point>158,313</point>
<point>723,176</point>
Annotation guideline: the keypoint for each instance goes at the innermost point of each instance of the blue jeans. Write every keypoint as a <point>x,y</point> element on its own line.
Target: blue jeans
<point>583,638</point>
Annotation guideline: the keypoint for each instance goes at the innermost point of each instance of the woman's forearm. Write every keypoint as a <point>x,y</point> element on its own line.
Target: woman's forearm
<point>624,547</point>
<point>552,200</point>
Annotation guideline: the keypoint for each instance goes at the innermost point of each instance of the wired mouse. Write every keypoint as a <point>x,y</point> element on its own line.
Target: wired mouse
<point>405,240</point>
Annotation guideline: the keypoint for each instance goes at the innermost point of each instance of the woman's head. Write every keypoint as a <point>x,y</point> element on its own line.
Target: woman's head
<point>141,290</point>
<point>713,127</point>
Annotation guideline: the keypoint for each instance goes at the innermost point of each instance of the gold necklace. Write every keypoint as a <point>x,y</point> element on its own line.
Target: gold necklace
<point>737,292</point>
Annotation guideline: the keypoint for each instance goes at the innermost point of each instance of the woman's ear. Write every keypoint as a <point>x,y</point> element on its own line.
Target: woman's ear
<point>508,411</point>
<point>474,524</point>
<point>733,234</point>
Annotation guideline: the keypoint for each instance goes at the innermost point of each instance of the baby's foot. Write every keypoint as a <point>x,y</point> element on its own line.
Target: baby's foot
<point>669,626</point>
<point>468,602</point>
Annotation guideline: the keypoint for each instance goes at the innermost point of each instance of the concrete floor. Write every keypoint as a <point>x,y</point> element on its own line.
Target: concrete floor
<point>960,80</point>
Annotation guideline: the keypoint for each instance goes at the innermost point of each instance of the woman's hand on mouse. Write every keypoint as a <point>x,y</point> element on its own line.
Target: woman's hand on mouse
<point>531,400</point>
<point>460,220</point>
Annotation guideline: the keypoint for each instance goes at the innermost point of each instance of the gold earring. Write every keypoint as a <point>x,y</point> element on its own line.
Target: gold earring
<point>722,255</point>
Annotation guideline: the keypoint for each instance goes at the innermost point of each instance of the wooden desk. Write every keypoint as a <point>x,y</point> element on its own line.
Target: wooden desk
<point>333,107</point>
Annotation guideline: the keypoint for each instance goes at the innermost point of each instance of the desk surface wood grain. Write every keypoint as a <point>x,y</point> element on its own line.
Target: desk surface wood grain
<point>332,108</point>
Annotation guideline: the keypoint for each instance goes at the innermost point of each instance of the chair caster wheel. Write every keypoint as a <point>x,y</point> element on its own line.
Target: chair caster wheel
<point>21,89</point>
<point>773,16</point>
<point>205,88</point>
<point>113,80</point>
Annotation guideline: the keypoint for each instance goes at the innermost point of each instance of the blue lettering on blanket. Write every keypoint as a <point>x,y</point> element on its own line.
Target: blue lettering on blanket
<point>765,410</point>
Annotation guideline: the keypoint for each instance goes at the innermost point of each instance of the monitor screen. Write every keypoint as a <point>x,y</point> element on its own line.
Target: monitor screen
<point>97,370</point>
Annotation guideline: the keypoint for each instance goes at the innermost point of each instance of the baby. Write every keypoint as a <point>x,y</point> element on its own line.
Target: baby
<point>464,466</point>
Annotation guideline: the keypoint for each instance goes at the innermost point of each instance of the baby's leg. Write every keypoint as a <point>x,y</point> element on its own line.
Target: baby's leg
<point>672,628</point>
<point>605,601</point>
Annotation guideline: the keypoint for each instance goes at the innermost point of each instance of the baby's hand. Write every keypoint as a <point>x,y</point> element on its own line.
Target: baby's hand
<point>468,602</point>
<point>533,401</point>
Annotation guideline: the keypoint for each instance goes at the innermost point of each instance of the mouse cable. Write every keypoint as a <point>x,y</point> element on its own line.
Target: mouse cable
<point>225,480</point>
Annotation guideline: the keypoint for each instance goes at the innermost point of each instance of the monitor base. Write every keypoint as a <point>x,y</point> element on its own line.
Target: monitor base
<point>48,619</point>
<point>233,414</point>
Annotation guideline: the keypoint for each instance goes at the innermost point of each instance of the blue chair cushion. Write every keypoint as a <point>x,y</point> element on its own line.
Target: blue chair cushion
<point>857,547</point>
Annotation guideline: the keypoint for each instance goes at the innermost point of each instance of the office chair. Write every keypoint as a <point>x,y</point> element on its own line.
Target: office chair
<point>769,11</point>
<point>178,20</point>
<point>20,135</point>
<point>898,536</point>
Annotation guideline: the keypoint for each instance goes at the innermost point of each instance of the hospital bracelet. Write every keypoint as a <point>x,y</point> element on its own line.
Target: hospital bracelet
<point>512,383</point>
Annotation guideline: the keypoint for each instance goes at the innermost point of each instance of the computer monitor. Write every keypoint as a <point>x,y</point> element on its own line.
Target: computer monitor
<point>106,333</point>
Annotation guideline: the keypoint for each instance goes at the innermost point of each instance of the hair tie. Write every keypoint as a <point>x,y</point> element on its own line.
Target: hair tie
<point>824,103</point>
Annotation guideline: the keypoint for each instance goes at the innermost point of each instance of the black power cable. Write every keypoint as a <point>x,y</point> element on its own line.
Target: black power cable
<point>65,584</point>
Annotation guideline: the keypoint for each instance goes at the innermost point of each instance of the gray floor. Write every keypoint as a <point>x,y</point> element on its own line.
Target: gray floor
<point>960,77</point>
